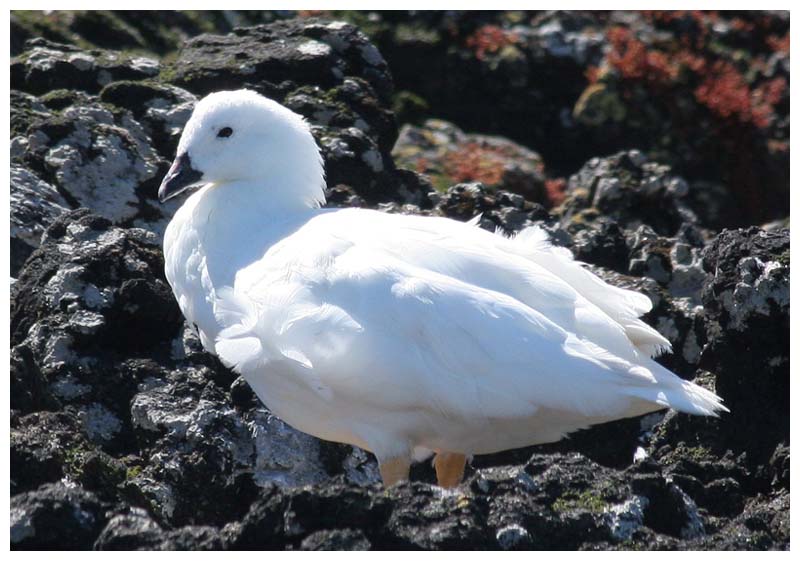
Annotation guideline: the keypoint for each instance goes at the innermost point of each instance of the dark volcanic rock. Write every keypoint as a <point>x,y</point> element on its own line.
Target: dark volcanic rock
<point>34,205</point>
<point>55,516</point>
<point>82,294</point>
<point>746,305</point>
<point>96,156</point>
<point>551,502</point>
<point>162,110</point>
<point>336,540</point>
<point>88,279</point>
<point>44,447</point>
<point>142,30</point>
<point>509,211</point>
<point>45,66</point>
<point>630,189</point>
<point>137,531</point>
<point>274,56</point>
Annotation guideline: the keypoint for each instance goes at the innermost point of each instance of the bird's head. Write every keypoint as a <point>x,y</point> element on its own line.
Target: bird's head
<point>241,137</point>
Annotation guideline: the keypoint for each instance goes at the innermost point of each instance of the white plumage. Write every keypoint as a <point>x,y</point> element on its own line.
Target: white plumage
<point>395,333</point>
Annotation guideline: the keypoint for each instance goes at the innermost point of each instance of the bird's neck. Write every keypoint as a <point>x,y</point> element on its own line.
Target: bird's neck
<point>240,221</point>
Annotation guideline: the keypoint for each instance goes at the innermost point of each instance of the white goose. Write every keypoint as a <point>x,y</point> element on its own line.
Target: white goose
<point>398,334</point>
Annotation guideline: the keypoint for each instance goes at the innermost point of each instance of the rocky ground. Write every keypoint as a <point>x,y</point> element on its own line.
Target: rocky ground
<point>653,145</point>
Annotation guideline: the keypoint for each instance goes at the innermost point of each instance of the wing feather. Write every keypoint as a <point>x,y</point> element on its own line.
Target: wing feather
<point>433,315</point>
<point>402,337</point>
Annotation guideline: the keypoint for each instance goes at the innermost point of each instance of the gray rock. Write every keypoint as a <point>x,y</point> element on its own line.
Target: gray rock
<point>45,66</point>
<point>137,530</point>
<point>55,516</point>
<point>98,157</point>
<point>629,188</point>
<point>746,301</point>
<point>34,205</point>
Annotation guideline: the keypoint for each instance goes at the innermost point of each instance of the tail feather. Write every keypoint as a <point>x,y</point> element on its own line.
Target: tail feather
<point>622,305</point>
<point>679,394</point>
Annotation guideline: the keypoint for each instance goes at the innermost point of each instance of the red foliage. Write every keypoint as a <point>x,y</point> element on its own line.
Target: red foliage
<point>312,13</point>
<point>765,98</point>
<point>489,39</point>
<point>773,91</point>
<point>725,86</point>
<point>634,62</point>
<point>472,162</point>
<point>779,44</point>
<point>726,94</point>
<point>668,16</point>
<point>694,62</point>
<point>592,74</point>
<point>556,190</point>
<point>741,25</point>
<point>722,87</point>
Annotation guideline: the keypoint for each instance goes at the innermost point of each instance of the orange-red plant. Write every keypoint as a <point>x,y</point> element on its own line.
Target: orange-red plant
<point>779,44</point>
<point>489,39</point>
<point>726,94</point>
<point>634,61</point>
<point>473,162</point>
<point>556,190</point>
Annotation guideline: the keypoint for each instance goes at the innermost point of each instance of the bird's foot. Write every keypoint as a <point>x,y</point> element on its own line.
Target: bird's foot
<point>449,469</point>
<point>394,470</point>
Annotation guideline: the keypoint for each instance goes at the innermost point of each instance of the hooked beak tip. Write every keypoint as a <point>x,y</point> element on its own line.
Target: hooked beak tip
<point>181,176</point>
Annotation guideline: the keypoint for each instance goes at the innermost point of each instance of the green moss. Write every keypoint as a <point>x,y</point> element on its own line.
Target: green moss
<point>74,459</point>
<point>205,21</point>
<point>406,33</point>
<point>633,545</point>
<point>53,25</point>
<point>516,17</point>
<point>590,500</point>
<point>168,72</point>
<point>59,99</point>
<point>511,53</point>
<point>695,453</point>
<point>133,472</point>
<point>441,182</point>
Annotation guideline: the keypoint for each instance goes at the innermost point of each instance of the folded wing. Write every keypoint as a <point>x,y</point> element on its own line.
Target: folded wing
<point>372,326</point>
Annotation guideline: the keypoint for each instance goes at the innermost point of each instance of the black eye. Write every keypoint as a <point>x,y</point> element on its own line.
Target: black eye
<point>225,132</point>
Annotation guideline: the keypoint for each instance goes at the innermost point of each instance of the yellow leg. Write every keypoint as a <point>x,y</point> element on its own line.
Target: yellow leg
<point>449,469</point>
<point>394,470</point>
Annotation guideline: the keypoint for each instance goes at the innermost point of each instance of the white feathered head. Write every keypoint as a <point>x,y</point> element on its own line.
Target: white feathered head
<point>243,137</point>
